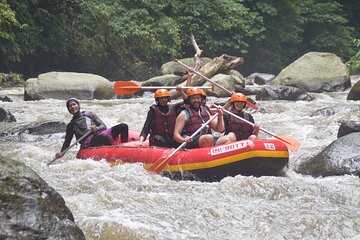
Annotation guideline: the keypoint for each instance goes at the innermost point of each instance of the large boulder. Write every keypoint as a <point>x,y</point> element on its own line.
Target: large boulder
<point>30,208</point>
<point>224,80</point>
<point>316,72</point>
<point>339,158</point>
<point>63,85</point>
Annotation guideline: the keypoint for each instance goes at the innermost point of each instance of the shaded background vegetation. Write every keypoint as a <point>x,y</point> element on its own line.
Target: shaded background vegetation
<point>130,39</point>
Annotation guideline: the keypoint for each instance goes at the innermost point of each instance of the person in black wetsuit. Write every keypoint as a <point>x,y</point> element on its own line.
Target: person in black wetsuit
<point>83,121</point>
<point>160,121</point>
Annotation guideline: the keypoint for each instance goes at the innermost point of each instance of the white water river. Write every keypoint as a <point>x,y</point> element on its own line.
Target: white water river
<point>126,202</point>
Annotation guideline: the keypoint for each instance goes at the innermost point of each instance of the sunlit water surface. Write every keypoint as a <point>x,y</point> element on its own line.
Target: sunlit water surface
<point>126,202</point>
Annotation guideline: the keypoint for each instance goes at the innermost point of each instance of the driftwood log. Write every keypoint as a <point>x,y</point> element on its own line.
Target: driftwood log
<point>221,64</point>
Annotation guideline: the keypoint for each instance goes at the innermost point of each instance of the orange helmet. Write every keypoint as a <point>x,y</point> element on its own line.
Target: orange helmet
<point>203,93</point>
<point>161,93</point>
<point>194,91</point>
<point>238,97</point>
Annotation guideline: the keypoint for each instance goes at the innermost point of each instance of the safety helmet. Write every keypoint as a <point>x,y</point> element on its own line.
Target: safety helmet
<point>203,93</point>
<point>70,100</point>
<point>194,91</point>
<point>161,93</point>
<point>238,97</point>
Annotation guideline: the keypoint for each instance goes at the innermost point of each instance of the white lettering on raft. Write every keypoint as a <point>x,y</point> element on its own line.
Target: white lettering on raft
<point>269,146</point>
<point>228,148</point>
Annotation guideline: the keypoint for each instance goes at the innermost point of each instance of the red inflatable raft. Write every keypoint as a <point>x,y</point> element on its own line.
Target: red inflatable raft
<point>257,158</point>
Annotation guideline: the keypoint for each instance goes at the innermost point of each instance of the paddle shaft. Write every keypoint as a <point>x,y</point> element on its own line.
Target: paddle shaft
<point>72,145</point>
<point>163,87</point>
<point>252,124</point>
<point>159,165</point>
<point>195,133</point>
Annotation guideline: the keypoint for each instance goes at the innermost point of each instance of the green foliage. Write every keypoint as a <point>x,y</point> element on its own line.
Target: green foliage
<point>132,38</point>
<point>11,80</point>
<point>9,49</point>
<point>325,28</point>
<point>118,34</point>
<point>218,26</point>
<point>354,63</point>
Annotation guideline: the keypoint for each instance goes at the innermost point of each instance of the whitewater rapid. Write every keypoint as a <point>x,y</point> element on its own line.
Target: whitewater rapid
<point>127,202</point>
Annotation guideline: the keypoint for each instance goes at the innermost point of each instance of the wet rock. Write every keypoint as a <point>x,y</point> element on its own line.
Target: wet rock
<point>354,93</point>
<point>17,132</point>
<point>6,116</point>
<point>30,208</point>
<point>282,93</point>
<point>4,98</point>
<point>339,158</point>
<point>333,110</point>
<point>49,127</point>
<point>347,128</point>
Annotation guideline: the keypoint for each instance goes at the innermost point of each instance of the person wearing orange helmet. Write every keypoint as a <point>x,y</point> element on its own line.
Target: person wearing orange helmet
<point>235,129</point>
<point>83,121</point>
<point>191,119</point>
<point>160,121</point>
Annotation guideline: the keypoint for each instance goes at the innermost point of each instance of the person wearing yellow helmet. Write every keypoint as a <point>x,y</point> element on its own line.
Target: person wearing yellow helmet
<point>192,117</point>
<point>83,121</point>
<point>160,121</point>
<point>236,129</point>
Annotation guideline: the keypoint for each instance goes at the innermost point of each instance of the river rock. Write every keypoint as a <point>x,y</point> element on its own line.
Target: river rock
<point>339,158</point>
<point>30,208</point>
<point>63,85</point>
<point>328,111</point>
<point>4,98</point>
<point>316,72</point>
<point>19,132</point>
<point>6,116</point>
<point>347,128</point>
<point>354,93</point>
<point>282,93</point>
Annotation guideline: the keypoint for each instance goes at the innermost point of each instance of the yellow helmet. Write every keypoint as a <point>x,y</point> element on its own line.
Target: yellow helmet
<point>238,97</point>
<point>194,91</point>
<point>161,93</point>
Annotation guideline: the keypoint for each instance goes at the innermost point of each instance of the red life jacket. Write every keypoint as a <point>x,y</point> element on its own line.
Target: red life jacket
<point>241,129</point>
<point>163,123</point>
<point>196,118</point>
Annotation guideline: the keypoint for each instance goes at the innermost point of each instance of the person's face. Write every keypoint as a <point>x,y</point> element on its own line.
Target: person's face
<point>73,107</point>
<point>163,101</point>
<point>238,105</point>
<point>195,101</point>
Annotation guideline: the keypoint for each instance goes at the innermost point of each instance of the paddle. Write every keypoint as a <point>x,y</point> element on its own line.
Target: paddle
<point>211,81</point>
<point>292,144</point>
<point>159,165</point>
<point>126,88</point>
<point>67,149</point>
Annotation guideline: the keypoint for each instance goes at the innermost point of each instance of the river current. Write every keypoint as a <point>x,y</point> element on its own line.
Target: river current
<point>127,202</point>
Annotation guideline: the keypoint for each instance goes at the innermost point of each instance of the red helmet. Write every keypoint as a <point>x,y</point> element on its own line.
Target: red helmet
<point>194,91</point>
<point>238,97</point>
<point>161,93</point>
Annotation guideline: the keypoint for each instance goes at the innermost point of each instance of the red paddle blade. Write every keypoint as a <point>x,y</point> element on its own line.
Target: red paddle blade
<point>126,88</point>
<point>159,165</point>
<point>292,144</point>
